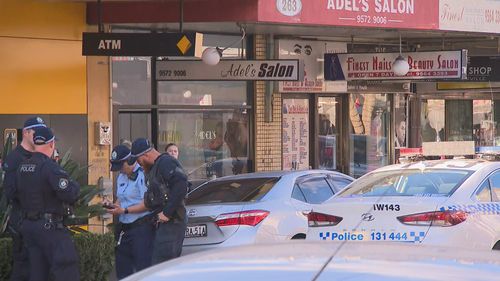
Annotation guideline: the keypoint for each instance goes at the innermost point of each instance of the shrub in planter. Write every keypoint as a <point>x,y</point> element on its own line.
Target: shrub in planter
<point>96,253</point>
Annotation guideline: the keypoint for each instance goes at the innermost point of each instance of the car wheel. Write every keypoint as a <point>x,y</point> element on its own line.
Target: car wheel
<point>496,247</point>
<point>299,236</point>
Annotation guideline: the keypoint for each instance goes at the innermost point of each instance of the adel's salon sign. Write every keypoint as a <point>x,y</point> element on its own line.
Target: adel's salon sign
<point>378,66</point>
<point>411,14</point>
<point>235,70</point>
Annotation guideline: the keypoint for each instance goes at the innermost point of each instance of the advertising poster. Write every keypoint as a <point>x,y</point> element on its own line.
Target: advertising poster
<point>295,134</point>
<point>311,53</point>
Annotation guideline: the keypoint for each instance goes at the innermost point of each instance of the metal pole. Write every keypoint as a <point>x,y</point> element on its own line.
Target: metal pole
<point>100,26</point>
<point>181,15</point>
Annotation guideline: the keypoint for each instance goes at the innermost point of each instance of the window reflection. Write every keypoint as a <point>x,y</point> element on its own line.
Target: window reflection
<point>432,120</point>
<point>370,119</point>
<point>211,144</point>
<point>327,133</point>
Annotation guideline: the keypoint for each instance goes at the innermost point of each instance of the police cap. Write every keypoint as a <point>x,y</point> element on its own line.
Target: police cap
<point>119,155</point>
<point>139,147</point>
<point>43,135</point>
<point>34,122</point>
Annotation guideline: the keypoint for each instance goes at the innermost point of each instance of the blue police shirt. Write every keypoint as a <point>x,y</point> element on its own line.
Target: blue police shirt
<point>130,192</point>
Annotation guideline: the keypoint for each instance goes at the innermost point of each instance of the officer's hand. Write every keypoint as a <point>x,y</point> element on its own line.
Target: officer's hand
<point>116,210</point>
<point>162,218</point>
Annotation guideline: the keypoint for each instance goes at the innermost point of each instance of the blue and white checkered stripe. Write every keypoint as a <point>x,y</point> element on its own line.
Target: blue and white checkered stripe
<point>417,236</point>
<point>482,208</point>
<point>324,236</point>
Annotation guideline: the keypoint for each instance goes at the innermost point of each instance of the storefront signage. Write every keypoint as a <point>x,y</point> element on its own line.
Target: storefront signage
<point>378,66</point>
<point>377,87</point>
<point>485,68</point>
<point>142,44</point>
<point>468,15</point>
<point>311,52</point>
<point>295,134</point>
<point>410,14</point>
<point>236,70</point>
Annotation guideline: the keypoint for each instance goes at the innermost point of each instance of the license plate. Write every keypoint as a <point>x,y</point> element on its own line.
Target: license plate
<point>199,230</point>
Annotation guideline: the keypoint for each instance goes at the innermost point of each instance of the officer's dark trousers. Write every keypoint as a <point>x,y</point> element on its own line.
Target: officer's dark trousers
<point>20,260</point>
<point>51,252</point>
<point>135,250</point>
<point>168,241</point>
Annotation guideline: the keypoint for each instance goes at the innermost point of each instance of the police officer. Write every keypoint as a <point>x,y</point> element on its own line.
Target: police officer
<point>42,189</point>
<point>135,230</point>
<point>167,184</point>
<point>11,163</point>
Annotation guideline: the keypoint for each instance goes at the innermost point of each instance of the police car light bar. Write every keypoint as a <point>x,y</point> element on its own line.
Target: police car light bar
<point>448,148</point>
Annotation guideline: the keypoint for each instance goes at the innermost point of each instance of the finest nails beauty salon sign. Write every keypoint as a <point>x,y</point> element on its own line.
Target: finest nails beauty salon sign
<point>235,70</point>
<point>378,66</point>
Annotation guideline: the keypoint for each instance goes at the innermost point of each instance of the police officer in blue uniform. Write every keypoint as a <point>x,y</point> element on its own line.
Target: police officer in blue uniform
<point>135,230</point>
<point>167,188</point>
<point>20,153</point>
<point>42,188</point>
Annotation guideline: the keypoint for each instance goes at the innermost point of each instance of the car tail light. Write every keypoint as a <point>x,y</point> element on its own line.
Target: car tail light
<point>252,218</point>
<point>319,219</point>
<point>441,218</point>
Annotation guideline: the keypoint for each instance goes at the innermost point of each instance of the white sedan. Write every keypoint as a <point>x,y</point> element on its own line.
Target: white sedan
<point>333,261</point>
<point>443,202</point>
<point>256,207</point>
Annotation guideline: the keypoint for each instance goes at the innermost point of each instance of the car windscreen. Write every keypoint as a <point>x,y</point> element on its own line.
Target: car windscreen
<point>231,191</point>
<point>413,182</point>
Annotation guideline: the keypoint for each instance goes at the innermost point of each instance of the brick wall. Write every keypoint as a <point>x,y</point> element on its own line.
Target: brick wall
<point>267,134</point>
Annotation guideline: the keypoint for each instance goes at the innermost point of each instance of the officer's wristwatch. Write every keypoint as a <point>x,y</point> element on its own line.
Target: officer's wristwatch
<point>126,211</point>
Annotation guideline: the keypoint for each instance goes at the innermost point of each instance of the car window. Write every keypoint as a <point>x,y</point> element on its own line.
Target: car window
<point>414,182</point>
<point>233,190</point>
<point>316,190</point>
<point>495,187</point>
<point>339,183</point>
<point>484,192</point>
<point>297,194</point>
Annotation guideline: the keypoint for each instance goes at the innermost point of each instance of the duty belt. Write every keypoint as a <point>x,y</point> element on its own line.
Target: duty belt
<point>136,223</point>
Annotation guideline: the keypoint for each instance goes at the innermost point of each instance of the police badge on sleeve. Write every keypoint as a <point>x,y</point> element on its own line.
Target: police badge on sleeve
<point>63,183</point>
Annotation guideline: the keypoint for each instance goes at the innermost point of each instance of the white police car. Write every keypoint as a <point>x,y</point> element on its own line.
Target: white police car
<point>441,202</point>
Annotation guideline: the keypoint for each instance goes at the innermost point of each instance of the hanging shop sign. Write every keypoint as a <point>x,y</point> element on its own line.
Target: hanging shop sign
<point>470,16</point>
<point>142,44</point>
<point>483,69</point>
<point>230,70</point>
<point>311,52</point>
<point>408,14</point>
<point>378,66</point>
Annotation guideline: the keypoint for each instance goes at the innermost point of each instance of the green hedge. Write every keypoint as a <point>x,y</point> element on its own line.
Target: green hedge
<point>96,256</point>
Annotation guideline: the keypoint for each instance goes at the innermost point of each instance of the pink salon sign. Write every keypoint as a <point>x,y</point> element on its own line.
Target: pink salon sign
<point>410,14</point>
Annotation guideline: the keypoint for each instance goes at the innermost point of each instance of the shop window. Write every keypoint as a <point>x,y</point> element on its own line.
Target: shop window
<point>485,122</point>
<point>211,144</point>
<point>370,120</point>
<point>131,80</point>
<point>432,120</point>
<point>202,93</point>
<point>459,120</point>
<point>328,135</point>
<point>401,120</point>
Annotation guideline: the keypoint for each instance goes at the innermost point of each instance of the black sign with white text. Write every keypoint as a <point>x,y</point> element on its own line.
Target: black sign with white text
<point>234,70</point>
<point>142,44</point>
<point>482,69</point>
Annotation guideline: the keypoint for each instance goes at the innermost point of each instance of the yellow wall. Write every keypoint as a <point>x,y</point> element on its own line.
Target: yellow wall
<point>42,70</point>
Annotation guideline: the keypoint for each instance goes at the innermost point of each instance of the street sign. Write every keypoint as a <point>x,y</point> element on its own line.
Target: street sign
<point>142,44</point>
<point>234,70</point>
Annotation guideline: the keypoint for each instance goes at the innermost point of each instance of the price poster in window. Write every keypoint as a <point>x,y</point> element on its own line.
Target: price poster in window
<point>295,134</point>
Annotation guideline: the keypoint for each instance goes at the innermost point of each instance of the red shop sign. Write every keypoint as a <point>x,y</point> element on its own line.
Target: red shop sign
<point>410,14</point>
